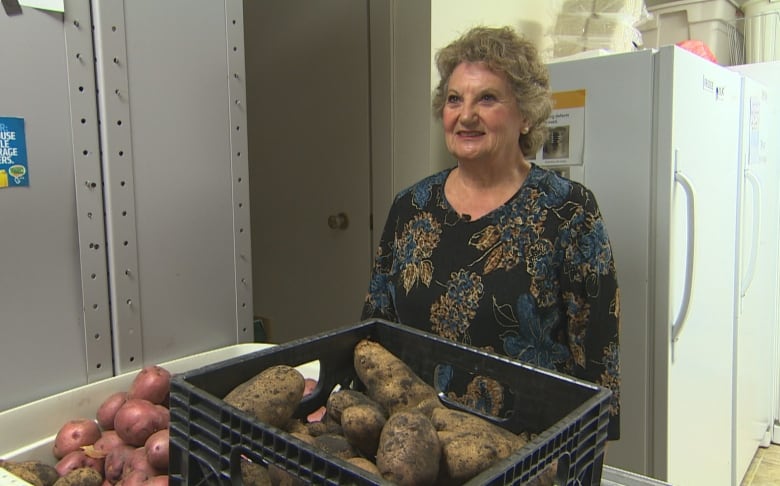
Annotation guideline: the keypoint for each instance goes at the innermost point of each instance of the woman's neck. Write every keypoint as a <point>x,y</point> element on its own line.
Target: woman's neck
<point>475,190</point>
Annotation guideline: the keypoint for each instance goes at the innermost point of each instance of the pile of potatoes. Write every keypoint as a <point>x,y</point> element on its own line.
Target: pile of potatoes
<point>126,444</point>
<point>397,430</point>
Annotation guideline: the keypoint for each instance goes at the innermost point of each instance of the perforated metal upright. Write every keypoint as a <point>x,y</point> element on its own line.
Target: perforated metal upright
<point>54,307</point>
<point>173,132</point>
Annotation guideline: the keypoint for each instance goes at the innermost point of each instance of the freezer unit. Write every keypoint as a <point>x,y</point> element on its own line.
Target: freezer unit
<point>660,152</point>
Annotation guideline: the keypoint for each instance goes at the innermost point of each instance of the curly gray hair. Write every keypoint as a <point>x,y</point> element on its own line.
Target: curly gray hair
<point>508,53</point>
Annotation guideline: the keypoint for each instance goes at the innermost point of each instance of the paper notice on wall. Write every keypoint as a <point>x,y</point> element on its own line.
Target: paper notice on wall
<point>566,130</point>
<point>53,5</point>
<point>13,153</point>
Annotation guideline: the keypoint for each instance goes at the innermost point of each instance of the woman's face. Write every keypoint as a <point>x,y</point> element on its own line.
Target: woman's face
<point>480,115</point>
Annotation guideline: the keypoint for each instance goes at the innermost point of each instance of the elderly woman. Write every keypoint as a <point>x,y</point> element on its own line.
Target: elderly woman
<point>498,252</point>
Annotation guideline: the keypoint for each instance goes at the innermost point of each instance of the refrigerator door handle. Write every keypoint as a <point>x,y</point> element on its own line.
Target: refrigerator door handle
<point>751,266</point>
<point>685,183</point>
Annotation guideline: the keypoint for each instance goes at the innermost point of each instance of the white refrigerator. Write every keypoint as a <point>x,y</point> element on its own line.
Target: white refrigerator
<point>758,360</point>
<point>661,154</point>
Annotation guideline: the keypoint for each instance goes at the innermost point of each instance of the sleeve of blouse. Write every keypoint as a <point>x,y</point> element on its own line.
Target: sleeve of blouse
<point>379,302</point>
<point>592,299</point>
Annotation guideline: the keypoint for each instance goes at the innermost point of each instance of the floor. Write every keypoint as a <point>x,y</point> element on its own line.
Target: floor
<point>765,468</point>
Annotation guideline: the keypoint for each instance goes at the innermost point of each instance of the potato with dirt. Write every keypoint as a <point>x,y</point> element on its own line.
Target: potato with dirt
<point>409,450</point>
<point>36,473</point>
<point>336,445</point>
<point>340,400</point>
<point>254,474</point>
<point>388,380</point>
<point>362,425</point>
<point>470,444</point>
<point>365,465</point>
<point>73,435</point>
<point>86,476</point>
<point>271,396</point>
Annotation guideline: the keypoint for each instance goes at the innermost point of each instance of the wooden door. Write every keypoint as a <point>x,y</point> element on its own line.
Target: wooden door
<point>307,66</point>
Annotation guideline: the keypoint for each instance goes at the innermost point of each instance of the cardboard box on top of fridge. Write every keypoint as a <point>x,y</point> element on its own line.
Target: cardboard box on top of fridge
<point>714,22</point>
<point>28,431</point>
<point>584,25</point>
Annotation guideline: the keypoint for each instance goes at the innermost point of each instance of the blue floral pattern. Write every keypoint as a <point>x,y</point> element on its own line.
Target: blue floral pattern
<point>534,280</point>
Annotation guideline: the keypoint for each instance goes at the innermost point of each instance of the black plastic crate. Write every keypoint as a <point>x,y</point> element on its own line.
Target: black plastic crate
<point>210,438</point>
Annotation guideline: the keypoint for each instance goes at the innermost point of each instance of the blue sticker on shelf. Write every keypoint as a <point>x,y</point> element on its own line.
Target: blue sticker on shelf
<point>13,153</point>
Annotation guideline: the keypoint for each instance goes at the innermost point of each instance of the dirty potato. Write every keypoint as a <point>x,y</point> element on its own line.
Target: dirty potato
<point>364,464</point>
<point>272,395</point>
<point>340,400</point>
<point>409,450</point>
<point>85,476</point>
<point>253,474</point>
<point>388,380</point>
<point>34,472</point>
<point>362,425</point>
<point>335,444</point>
<point>470,444</point>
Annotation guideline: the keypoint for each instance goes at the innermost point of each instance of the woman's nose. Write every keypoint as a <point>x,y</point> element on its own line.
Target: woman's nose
<point>468,114</point>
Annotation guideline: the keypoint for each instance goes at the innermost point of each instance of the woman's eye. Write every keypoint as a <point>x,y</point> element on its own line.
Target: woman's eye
<point>488,97</point>
<point>453,99</point>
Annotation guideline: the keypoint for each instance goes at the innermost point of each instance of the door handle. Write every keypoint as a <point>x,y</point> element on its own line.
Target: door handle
<point>338,221</point>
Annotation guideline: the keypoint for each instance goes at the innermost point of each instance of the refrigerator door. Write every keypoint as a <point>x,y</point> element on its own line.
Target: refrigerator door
<point>696,177</point>
<point>753,400</point>
<point>616,167</point>
<point>757,321</point>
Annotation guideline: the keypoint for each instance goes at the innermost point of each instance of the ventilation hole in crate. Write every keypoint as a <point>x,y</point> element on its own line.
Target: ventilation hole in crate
<point>563,466</point>
<point>481,395</point>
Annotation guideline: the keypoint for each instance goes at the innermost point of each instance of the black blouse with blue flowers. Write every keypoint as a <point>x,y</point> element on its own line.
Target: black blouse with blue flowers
<point>534,280</point>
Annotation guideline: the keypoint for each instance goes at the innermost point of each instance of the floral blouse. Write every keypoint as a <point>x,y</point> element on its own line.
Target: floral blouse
<point>533,280</point>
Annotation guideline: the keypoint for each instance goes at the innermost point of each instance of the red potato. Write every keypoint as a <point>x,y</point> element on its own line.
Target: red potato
<point>138,419</point>
<point>157,449</point>
<point>157,481</point>
<point>139,478</point>
<point>317,415</point>
<point>152,383</point>
<point>137,461</point>
<point>76,460</point>
<point>309,384</point>
<point>73,435</point>
<point>115,462</point>
<point>107,441</point>
<point>107,410</point>
<point>134,478</point>
<point>164,416</point>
